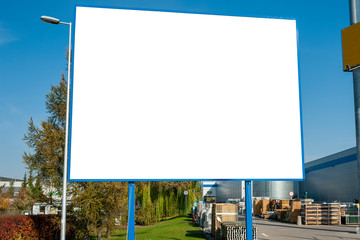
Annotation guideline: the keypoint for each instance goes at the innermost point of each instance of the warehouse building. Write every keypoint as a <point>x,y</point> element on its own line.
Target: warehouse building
<point>332,178</point>
<point>230,190</point>
<point>329,179</point>
<point>7,182</point>
<point>208,190</point>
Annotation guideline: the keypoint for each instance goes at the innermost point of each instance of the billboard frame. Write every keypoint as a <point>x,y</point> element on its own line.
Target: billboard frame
<point>185,179</point>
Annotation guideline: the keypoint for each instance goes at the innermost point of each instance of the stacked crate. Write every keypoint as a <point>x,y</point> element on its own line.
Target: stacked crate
<point>295,211</point>
<point>284,204</point>
<point>321,214</point>
<point>261,207</point>
<point>257,207</point>
<point>225,212</point>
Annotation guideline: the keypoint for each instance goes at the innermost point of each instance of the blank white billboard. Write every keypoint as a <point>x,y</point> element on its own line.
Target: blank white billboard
<point>175,96</point>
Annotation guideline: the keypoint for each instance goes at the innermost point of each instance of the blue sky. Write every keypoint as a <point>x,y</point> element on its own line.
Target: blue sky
<point>32,58</point>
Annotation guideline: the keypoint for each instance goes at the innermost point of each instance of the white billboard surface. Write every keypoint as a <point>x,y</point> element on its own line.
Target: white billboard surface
<point>177,96</point>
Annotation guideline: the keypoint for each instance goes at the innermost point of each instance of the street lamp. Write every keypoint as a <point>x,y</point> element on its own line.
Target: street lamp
<point>50,20</point>
<point>63,209</point>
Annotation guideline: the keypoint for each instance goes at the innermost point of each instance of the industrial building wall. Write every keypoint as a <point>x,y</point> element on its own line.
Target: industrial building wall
<point>332,178</point>
<point>6,182</point>
<point>229,190</point>
<point>226,190</point>
<point>208,190</point>
<point>328,179</point>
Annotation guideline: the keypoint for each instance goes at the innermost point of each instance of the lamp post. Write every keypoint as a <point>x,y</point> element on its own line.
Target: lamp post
<point>63,204</point>
<point>355,18</point>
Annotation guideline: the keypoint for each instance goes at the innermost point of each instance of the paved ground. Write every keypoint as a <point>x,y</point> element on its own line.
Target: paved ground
<point>275,230</point>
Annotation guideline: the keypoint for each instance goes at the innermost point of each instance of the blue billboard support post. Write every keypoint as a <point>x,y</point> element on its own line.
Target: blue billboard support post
<point>131,211</point>
<point>248,207</point>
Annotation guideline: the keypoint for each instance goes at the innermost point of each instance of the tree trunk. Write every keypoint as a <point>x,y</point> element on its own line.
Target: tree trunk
<point>108,233</point>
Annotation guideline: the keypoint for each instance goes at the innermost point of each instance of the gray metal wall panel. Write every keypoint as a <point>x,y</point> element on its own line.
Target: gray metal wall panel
<point>327,183</point>
<point>333,183</point>
<point>274,189</point>
<point>261,189</point>
<point>229,190</point>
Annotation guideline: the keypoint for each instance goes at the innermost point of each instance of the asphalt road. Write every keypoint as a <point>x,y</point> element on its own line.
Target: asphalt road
<point>275,230</point>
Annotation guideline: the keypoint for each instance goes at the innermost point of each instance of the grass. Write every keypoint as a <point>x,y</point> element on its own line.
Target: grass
<point>176,229</point>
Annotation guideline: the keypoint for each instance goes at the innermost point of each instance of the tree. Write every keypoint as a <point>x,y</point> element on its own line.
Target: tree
<point>47,142</point>
<point>98,204</point>
<point>35,190</point>
<point>10,193</point>
<point>160,200</point>
<point>22,200</point>
<point>94,205</point>
<point>4,199</point>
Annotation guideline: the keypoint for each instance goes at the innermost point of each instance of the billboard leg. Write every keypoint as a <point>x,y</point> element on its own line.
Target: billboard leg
<point>131,211</point>
<point>248,207</point>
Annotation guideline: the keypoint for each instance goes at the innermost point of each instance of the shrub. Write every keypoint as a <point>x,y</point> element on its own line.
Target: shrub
<point>34,227</point>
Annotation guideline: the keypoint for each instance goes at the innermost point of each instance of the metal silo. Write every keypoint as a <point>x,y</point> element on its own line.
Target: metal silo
<point>274,189</point>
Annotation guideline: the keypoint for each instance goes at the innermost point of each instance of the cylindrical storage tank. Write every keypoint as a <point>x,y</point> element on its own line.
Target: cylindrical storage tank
<point>281,189</point>
<point>274,189</point>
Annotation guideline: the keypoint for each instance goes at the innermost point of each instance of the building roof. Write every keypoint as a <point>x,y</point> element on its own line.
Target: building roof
<point>332,160</point>
<point>5,179</point>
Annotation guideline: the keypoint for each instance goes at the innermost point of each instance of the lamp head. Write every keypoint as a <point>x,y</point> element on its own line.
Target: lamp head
<point>50,20</point>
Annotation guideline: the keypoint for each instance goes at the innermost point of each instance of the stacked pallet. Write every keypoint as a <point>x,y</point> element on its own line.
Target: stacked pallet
<point>284,204</point>
<point>321,214</point>
<point>280,215</point>
<point>222,212</point>
<point>257,207</point>
<point>263,207</point>
<point>277,209</point>
<point>294,212</point>
<point>235,231</point>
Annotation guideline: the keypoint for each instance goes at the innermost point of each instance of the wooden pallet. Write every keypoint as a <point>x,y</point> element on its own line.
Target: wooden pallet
<point>321,214</point>
<point>226,212</point>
